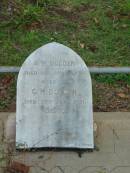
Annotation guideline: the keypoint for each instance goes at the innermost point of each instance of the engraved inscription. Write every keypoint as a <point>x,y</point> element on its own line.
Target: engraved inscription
<point>51,91</point>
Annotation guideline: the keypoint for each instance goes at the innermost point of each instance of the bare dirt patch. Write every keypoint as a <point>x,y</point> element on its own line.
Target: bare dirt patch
<point>71,14</point>
<point>7,93</point>
<point>106,97</point>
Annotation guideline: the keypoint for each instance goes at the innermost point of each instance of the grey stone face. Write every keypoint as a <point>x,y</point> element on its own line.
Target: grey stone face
<point>54,100</point>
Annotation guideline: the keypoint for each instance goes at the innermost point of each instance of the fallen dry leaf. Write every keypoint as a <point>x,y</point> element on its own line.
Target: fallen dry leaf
<point>82,45</point>
<point>124,26</point>
<point>92,47</point>
<point>96,20</point>
<point>122,95</point>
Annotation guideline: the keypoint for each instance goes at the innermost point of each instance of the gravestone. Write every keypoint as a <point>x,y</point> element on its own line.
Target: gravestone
<point>54,100</point>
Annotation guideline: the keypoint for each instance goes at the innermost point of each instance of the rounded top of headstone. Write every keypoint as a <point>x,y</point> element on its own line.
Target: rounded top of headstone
<point>55,52</point>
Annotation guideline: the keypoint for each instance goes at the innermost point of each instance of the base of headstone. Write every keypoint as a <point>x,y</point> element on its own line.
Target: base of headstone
<point>112,153</point>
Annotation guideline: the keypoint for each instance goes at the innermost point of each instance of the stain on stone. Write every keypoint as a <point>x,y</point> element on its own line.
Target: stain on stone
<point>18,167</point>
<point>41,157</point>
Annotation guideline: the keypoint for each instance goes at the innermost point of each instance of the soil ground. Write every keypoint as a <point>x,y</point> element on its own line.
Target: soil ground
<point>106,97</point>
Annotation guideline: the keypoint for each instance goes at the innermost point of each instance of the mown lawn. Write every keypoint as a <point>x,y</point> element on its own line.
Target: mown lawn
<point>98,30</point>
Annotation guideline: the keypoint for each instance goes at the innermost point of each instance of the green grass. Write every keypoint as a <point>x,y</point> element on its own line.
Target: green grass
<point>99,31</point>
<point>113,79</point>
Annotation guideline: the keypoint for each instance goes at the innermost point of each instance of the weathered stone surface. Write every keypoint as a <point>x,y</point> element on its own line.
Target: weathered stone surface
<point>54,100</point>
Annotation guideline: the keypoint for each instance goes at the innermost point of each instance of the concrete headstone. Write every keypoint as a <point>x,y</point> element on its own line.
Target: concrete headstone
<point>54,100</point>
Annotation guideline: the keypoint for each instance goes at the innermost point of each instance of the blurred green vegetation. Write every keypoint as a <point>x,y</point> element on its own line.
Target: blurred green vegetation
<point>98,30</point>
